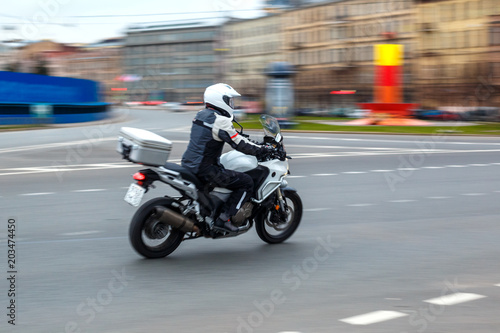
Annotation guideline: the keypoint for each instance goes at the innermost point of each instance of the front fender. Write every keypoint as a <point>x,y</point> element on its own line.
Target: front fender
<point>289,189</point>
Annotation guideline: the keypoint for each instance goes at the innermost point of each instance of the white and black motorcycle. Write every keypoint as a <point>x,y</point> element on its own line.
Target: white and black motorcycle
<point>161,224</point>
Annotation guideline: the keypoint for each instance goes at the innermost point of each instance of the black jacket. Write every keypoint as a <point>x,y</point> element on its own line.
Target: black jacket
<point>210,130</point>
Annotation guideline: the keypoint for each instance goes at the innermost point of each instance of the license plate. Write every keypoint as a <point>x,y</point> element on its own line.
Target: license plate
<point>134,194</point>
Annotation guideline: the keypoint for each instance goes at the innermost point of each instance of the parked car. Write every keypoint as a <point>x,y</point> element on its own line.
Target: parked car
<point>484,114</point>
<point>358,113</point>
<point>436,115</point>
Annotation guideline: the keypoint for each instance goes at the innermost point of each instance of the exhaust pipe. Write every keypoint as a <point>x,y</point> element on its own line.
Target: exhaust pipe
<point>175,219</point>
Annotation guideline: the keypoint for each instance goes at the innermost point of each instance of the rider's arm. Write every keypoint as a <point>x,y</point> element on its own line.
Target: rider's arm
<point>224,129</point>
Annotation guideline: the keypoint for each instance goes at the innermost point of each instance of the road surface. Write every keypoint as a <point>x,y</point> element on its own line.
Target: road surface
<point>399,234</point>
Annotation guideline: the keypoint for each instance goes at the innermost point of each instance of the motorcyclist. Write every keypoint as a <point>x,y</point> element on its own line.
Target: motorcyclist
<point>211,128</point>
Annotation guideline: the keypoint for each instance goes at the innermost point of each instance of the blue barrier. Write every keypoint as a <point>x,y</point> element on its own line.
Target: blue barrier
<point>32,99</point>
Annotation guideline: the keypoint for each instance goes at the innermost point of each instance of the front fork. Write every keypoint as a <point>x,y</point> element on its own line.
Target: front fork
<point>281,208</point>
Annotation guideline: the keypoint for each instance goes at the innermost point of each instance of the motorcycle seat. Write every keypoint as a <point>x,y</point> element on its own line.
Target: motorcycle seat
<point>186,174</point>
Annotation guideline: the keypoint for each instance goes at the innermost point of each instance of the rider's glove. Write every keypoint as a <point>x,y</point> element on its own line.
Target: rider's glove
<point>264,152</point>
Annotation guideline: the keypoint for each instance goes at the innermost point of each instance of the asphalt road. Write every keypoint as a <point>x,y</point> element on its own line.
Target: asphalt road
<point>399,234</point>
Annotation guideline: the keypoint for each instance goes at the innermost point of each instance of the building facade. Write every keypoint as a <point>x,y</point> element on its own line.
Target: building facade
<point>6,57</point>
<point>172,61</point>
<point>332,47</point>
<point>34,57</point>
<point>491,88</point>
<point>456,40</point>
<point>101,61</point>
<point>250,46</point>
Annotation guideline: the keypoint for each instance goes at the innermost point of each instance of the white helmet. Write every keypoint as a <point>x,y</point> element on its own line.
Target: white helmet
<point>221,95</point>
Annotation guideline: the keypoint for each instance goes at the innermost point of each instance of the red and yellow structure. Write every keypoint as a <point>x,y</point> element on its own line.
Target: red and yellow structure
<point>388,62</point>
<point>388,107</point>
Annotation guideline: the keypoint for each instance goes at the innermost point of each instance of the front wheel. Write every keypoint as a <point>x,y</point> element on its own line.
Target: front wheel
<point>274,227</point>
<point>150,237</point>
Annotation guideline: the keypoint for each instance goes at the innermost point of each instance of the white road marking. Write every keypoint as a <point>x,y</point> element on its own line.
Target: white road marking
<point>347,147</point>
<point>391,152</point>
<point>34,194</point>
<point>407,169</point>
<point>185,129</point>
<point>478,165</point>
<point>402,201</point>
<point>361,205</point>
<point>324,174</point>
<point>381,170</point>
<point>56,145</point>
<point>296,176</point>
<point>79,233</point>
<point>373,317</point>
<point>392,141</point>
<point>438,198</point>
<point>90,190</point>
<point>17,240</point>
<point>453,299</point>
<point>354,172</point>
<point>457,166</point>
<point>433,167</point>
<point>73,167</point>
<point>497,285</point>
<point>316,209</point>
<point>73,240</point>
<point>473,194</point>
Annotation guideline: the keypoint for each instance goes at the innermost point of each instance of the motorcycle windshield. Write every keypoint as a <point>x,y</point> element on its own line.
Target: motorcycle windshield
<point>271,126</point>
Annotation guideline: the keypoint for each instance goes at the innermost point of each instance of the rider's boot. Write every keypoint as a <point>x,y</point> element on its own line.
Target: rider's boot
<point>225,224</point>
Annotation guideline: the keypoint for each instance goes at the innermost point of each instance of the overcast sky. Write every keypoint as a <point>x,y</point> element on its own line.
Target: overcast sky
<point>64,21</point>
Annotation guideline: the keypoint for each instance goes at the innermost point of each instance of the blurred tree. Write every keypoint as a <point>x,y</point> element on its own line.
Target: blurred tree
<point>12,67</point>
<point>41,67</point>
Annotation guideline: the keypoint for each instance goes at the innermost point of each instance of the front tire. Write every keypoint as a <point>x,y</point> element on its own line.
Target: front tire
<point>150,237</point>
<point>274,229</point>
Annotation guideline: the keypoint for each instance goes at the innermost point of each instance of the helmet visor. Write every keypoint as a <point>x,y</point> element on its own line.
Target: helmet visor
<point>229,101</point>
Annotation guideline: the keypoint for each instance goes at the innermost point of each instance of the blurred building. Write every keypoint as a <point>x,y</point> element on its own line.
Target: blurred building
<point>101,61</point>
<point>331,44</point>
<point>492,85</point>
<point>456,40</point>
<point>6,57</point>
<point>250,45</point>
<point>32,57</point>
<point>173,61</point>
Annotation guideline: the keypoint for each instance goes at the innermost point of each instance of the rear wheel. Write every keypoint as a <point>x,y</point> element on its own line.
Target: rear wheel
<point>150,237</point>
<point>274,227</point>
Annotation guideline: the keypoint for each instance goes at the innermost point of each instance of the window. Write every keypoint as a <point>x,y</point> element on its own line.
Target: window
<point>473,9</point>
<point>495,35</point>
<point>466,10</point>
<point>495,69</point>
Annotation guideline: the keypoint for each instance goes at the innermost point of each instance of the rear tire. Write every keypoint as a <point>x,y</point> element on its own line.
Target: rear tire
<point>284,229</point>
<point>149,237</point>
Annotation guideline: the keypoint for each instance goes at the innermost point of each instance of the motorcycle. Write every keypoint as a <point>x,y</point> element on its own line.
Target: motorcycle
<point>160,225</point>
